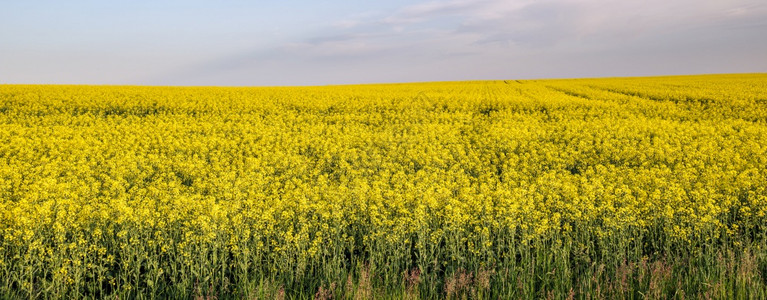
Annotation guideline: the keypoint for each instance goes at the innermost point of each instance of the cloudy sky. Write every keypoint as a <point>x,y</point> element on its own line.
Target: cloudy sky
<point>294,42</point>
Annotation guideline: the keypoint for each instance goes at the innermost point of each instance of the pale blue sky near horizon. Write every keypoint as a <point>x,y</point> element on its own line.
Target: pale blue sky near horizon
<point>299,42</point>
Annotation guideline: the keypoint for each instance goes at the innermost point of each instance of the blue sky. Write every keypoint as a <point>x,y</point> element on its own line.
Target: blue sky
<point>247,43</point>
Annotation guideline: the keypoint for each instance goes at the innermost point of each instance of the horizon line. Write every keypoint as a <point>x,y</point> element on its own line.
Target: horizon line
<point>383,83</point>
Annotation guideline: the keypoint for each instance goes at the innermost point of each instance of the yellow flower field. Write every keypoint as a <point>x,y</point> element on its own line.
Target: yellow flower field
<point>337,191</point>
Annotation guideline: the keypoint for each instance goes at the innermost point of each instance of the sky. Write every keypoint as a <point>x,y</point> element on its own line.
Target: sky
<point>292,42</point>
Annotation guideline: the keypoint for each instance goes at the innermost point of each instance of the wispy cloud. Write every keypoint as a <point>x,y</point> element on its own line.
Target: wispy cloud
<point>483,34</point>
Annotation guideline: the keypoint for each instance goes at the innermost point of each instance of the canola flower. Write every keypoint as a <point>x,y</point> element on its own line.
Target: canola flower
<point>174,192</point>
